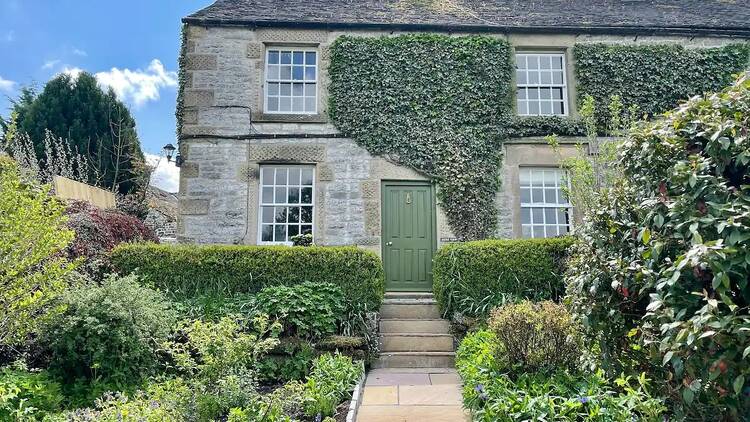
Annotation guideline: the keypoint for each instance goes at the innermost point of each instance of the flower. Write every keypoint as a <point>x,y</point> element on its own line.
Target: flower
<point>479,388</point>
<point>583,399</point>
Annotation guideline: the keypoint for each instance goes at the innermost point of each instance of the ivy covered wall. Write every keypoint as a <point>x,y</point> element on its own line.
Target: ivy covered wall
<point>434,103</point>
<point>654,77</point>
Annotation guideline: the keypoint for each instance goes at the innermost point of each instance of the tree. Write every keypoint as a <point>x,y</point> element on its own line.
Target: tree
<point>94,123</point>
<point>32,271</point>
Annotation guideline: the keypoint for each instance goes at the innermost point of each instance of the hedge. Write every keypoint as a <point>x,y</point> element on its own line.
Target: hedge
<point>185,271</point>
<point>471,278</point>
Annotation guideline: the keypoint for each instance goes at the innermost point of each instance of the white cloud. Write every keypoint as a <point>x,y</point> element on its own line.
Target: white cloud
<point>9,36</point>
<point>49,64</point>
<point>6,85</point>
<point>73,72</point>
<point>138,86</point>
<point>79,52</point>
<point>166,175</point>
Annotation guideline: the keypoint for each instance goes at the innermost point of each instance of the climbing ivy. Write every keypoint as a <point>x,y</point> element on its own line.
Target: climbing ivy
<point>435,103</point>
<point>182,79</point>
<point>654,77</point>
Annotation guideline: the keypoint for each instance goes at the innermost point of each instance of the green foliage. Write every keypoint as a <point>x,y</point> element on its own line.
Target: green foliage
<point>108,335</point>
<point>186,271</point>
<point>434,103</point>
<point>94,122</point>
<point>654,77</point>
<point>535,337</point>
<point>492,395</point>
<point>32,271</point>
<point>26,395</point>
<point>290,360</point>
<point>472,278</point>
<point>669,276</point>
<point>308,310</point>
<point>331,380</point>
<point>523,126</point>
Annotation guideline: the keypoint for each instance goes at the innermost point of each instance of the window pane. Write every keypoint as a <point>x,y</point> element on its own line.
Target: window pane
<point>273,57</point>
<point>561,197</point>
<point>537,215</point>
<point>298,57</point>
<point>520,62</point>
<point>549,215</point>
<point>310,57</point>
<point>279,233</point>
<point>525,216</point>
<point>521,94</point>
<point>294,195</point>
<point>545,93</point>
<point>546,78</point>
<point>273,104</point>
<point>293,230</point>
<point>306,215</point>
<point>298,73</point>
<point>534,108</point>
<point>538,231</point>
<point>267,233</point>
<point>524,177</point>
<point>267,214</point>
<point>307,177</point>
<point>286,57</point>
<point>533,93</point>
<point>294,176</point>
<point>526,231</point>
<point>309,73</point>
<point>273,89</point>
<point>534,78</point>
<point>306,229</point>
<point>521,77</point>
<point>557,78</point>
<point>267,174</point>
<point>280,215</point>
<point>285,89</point>
<point>310,90</point>
<point>545,108</point>
<point>267,195</point>
<point>557,107</point>
<point>544,62</point>
<point>562,216</point>
<point>550,196</point>
<point>273,72</point>
<point>533,62</point>
<point>298,90</point>
<point>564,230</point>
<point>298,104</point>
<point>525,195</point>
<point>285,104</point>
<point>285,73</point>
<point>557,62</point>
<point>536,177</point>
<point>280,196</point>
<point>310,103</point>
<point>307,195</point>
<point>294,214</point>
<point>281,176</point>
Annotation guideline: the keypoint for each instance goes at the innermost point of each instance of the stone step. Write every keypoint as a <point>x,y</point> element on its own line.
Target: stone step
<point>415,360</point>
<point>434,326</point>
<point>409,309</point>
<point>408,295</point>
<point>421,342</point>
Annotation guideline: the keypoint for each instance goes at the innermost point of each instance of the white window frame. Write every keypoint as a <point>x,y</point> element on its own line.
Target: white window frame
<point>267,80</point>
<point>564,86</point>
<point>261,204</point>
<point>561,181</point>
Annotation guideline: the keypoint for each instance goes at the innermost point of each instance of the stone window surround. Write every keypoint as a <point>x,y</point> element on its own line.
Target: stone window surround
<point>519,51</point>
<point>531,204</point>
<point>569,92</point>
<point>295,48</point>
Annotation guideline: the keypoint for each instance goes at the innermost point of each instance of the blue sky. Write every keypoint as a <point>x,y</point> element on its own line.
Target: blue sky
<point>130,45</point>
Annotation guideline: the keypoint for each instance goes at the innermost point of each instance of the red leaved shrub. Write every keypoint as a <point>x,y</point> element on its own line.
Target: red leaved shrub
<point>98,231</point>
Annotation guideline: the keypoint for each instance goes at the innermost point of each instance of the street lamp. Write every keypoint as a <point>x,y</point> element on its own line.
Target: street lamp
<point>169,150</point>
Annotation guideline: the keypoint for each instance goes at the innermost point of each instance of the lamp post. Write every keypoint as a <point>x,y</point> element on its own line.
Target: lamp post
<point>169,150</point>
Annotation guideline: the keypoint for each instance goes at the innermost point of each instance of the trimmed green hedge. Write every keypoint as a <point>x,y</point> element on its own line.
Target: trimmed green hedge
<point>471,278</point>
<point>185,271</point>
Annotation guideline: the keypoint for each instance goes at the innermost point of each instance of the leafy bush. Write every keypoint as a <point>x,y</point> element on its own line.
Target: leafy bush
<point>32,272</point>
<point>331,379</point>
<point>536,336</point>
<point>654,77</point>
<point>290,360</point>
<point>185,271</point>
<point>98,231</point>
<point>308,310</point>
<point>473,277</point>
<point>109,334</point>
<point>25,394</point>
<point>493,396</point>
<point>669,275</point>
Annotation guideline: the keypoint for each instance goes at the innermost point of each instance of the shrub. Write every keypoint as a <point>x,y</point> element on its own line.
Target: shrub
<point>308,310</point>
<point>536,336</point>
<point>32,272</point>
<point>27,394</point>
<point>331,379</point>
<point>109,334</point>
<point>290,360</point>
<point>472,278</point>
<point>671,249</point>
<point>493,396</point>
<point>187,270</point>
<point>98,231</point>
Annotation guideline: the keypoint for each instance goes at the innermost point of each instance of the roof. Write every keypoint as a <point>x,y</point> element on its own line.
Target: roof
<point>690,17</point>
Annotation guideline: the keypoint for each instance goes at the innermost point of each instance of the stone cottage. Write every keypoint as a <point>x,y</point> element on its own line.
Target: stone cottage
<point>263,162</point>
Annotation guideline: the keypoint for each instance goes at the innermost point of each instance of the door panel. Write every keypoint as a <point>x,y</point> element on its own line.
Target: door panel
<point>408,235</point>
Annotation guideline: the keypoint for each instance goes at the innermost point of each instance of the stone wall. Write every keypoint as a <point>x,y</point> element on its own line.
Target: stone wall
<point>226,137</point>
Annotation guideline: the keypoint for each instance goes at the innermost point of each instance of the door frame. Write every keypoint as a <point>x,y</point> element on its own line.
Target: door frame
<point>433,221</point>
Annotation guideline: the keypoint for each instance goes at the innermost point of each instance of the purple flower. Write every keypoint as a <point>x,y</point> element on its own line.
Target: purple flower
<point>583,400</point>
<point>479,388</point>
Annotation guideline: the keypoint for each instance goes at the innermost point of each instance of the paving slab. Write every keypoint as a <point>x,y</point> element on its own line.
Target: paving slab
<point>412,371</point>
<point>433,395</point>
<point>380,395</point>
<point>445,378</point>
<point>412,414</point>
<point>398,379</point>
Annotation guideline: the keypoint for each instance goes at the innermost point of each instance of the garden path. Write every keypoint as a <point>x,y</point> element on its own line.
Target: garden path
<point>412,395</point>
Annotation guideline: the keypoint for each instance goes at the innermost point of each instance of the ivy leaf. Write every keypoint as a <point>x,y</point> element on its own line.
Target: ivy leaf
<point>739,382</point>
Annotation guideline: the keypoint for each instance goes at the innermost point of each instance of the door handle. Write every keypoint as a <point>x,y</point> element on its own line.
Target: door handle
<point>389,244</point>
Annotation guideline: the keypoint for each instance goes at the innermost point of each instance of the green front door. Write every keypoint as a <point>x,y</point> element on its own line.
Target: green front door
<point>408,235</point>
